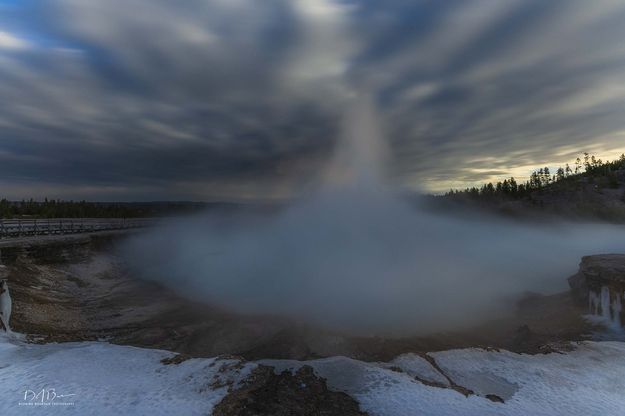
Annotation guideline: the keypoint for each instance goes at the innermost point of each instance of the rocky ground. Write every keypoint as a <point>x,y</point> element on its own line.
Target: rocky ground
<point>289,393</point>
<point>78,290</point>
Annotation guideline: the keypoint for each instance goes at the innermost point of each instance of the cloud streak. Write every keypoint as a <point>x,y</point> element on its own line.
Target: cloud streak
<point>515,82</point>
<point>241,99</point>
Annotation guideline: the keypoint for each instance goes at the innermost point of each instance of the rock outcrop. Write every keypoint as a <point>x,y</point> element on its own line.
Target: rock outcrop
<point>599,270</point>
<point>600,281</point>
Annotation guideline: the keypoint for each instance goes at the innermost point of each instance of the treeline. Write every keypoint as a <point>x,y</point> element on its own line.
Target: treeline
<point>587,166</point>
<point>66,209</point>
<point>83,209</point>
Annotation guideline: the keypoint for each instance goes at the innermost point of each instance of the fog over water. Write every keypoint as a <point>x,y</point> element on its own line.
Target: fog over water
<point>352,255</point>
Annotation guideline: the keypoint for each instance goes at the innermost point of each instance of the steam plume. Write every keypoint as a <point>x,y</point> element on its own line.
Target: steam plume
<point>353,256</point>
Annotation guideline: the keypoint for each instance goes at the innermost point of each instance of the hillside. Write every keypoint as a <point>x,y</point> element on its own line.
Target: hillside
<point>595,192</point>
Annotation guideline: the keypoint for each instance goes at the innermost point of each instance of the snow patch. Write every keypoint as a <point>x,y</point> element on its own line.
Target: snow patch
<point>417,366</point>
<point>586,381</point>
<point>104,379</point>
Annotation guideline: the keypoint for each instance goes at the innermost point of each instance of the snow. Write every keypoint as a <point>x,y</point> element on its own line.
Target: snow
<point>382,391</point>
<point>419,367</point>
<point>106,379</point>
<point>587,381</point>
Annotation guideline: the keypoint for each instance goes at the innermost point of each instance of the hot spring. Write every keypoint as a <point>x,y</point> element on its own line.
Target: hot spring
<point>352,255</point>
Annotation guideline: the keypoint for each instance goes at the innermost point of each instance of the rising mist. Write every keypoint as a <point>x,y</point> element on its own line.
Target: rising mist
<point>352,255</point>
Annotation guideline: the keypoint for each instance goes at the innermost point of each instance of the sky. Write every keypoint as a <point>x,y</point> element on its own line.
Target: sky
<point>243,99</point>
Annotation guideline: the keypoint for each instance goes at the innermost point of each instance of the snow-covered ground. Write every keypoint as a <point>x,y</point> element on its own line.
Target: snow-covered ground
<point>97,378</point>
<point>587,381</point>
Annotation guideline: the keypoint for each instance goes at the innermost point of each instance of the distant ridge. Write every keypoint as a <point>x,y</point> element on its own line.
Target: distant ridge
<point>592,190</point>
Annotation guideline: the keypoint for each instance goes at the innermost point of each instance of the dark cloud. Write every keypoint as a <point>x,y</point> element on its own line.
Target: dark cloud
<point>239,98</point>
<point>136,93</point>
<point>515,84</point>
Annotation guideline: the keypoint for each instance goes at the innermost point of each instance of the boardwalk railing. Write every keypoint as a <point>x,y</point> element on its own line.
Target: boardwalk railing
<point>52,226</point>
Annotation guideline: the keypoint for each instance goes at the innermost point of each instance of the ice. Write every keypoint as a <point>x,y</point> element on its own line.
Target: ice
<point>616,311</point>
<point>594,302</point>
<point>605,303</point>
<point>606,307</point>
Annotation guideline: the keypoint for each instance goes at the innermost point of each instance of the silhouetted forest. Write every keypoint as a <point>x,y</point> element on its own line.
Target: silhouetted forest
<point>588,167</point>
<point>83,209</point>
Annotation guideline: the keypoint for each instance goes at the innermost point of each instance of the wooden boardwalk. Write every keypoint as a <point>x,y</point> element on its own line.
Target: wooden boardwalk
<point>10,228</point>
